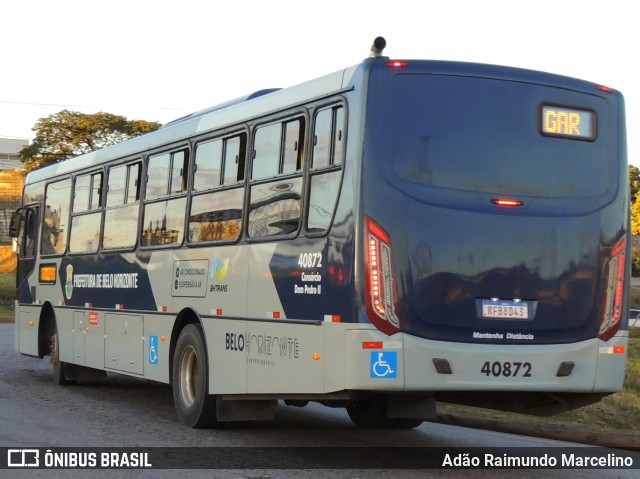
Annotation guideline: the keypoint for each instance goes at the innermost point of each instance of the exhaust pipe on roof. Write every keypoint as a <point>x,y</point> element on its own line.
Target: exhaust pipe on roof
<point>378,45</point>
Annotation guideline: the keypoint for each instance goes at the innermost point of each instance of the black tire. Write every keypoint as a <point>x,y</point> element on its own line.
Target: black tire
<point>370,413</point>
<point>59,367</point>
<point>190,372</point>
<point>407,423</point>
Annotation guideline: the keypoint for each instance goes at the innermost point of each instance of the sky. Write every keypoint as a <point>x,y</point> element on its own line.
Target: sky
<point>158,60</point>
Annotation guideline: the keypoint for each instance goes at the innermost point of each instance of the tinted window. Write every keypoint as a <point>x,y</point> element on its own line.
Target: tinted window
<point>275,208</point>
<point>179,168</point>
<point>158,173</point>
<point>117,186</point>
<point>121,227</point>
<point>56,217</point>
<point>234,159</point>
<point>85,233</point>
<point>216,216</point>
<point>121,216</point>
<point>266,160</point>
<point>87,192</point>
<point>81,193</point>
<point>293,147</point>
<point>275,205</point>
<point>326,175</point>
<point>163,222</point>
<point>208,160</point>
<point>167,174</point>
<point>323,197</point>
<point>322,138</point>
<point>483,135</point>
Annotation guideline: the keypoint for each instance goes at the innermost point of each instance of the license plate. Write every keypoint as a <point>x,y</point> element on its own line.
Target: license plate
<point>505,310</point>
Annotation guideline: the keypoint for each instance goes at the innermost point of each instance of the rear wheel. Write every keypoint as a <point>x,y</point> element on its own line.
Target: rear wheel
<point>371,413</point>
<point>407,423</point>
<point>194,406</point>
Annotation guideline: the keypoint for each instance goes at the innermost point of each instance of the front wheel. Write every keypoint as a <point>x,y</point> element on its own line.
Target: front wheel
<point>194,406</point>
<point>59,367</point>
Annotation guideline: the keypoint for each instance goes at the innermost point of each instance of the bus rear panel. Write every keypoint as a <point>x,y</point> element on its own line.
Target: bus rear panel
<point>495,229</point>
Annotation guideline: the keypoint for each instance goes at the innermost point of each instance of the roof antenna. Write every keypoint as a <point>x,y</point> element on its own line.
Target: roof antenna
<point>378,45</point>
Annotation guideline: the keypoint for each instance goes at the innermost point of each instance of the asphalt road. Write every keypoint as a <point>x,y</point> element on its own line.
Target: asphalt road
<point>125,412</point>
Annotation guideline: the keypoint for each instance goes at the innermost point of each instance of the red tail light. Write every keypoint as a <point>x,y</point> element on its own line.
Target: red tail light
<point>615,287</point>
<point>381,293</point>
<point>397,64</point>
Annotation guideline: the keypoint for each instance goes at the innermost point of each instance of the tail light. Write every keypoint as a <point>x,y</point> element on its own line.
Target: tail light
<point>615,287</point>
<point>381,294</point>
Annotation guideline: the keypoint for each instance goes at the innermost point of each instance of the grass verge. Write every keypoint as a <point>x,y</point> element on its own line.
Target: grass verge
<point>7,296</point>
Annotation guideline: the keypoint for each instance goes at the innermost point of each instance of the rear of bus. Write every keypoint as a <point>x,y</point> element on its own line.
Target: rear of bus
<point>495,239</point>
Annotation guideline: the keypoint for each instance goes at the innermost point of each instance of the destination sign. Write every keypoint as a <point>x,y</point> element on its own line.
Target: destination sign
<point>568,123</point>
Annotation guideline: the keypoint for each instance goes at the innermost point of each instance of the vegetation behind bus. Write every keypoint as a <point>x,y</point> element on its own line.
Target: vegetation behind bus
<point>67,134</point>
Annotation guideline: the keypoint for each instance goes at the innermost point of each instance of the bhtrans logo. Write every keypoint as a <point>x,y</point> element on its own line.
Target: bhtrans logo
<point>23,458</point>
<point>220,269</point>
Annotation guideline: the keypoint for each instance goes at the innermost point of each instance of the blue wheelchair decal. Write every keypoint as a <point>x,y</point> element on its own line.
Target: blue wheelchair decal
<point>153,349</point>
<point>384,364</point>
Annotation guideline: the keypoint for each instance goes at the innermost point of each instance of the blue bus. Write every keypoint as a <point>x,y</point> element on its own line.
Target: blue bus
<point>397,233</point>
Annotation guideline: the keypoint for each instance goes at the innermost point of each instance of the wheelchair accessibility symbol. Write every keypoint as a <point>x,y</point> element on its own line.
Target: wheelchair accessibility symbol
<point>153,349</point>
<point>384,365</point>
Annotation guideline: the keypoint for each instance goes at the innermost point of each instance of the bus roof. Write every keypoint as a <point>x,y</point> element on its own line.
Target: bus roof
<point>226,114</point>
<point>264,102</point>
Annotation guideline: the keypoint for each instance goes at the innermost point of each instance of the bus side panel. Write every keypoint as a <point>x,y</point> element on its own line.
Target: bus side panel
<point>611,363</point>
<point>259,357</point>
<point>157,341</point>
<point>64,323</point>
<point>284,358</point>
<point>374,360</point>
<point>263,301</point>
<point>227,354</point>
<point>26,331</point>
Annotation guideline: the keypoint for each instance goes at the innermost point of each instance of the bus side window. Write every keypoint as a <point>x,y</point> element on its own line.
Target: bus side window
<point>179,171</point>
<point>235,152</point>
<point>56,217</point>
<point>293,146</point>
<point>275,204</point>
<point>163,221</point>
<point>266,153</point>
<point>122,212</point>
<point>326,174</point>
<point>207,165</point>
<point>167,174</point>
<point>31,230</point>
<point>217,215</point>
<point>158,173</point>
<point>87,214</point>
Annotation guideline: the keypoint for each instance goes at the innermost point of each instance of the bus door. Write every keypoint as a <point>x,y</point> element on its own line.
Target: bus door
<point>24,228</point>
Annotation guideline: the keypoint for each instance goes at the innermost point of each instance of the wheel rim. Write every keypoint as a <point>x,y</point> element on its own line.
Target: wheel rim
<point>55,349</point>
<point>189,376</point>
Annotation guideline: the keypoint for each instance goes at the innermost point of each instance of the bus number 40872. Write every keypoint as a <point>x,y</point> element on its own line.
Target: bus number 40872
<point>506,369</point>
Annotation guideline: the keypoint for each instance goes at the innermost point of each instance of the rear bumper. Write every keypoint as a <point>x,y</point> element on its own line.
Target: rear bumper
<point>405,363</point>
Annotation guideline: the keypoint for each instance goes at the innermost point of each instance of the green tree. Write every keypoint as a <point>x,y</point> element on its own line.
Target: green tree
<point>634,182</point>
<point>635,218</point>
<point>66,134</point>
<point>634,189</point>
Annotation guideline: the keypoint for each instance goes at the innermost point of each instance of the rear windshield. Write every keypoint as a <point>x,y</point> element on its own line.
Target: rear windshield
<point>486,135</point>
